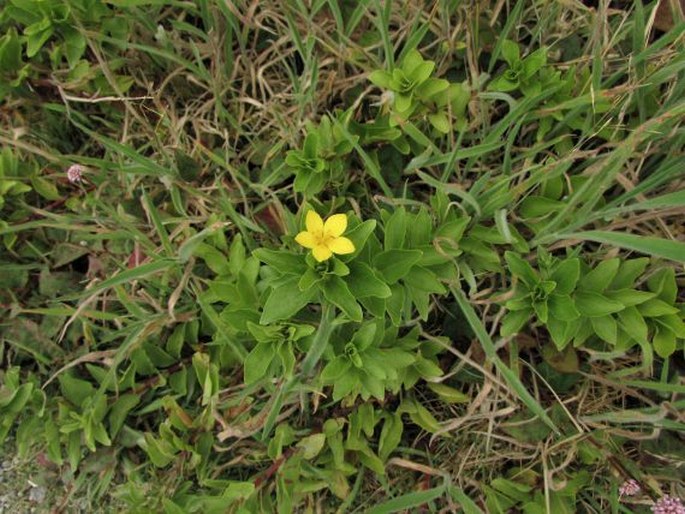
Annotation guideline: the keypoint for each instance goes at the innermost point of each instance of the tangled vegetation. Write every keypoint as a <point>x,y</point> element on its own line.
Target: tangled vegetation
<point>342,256</point>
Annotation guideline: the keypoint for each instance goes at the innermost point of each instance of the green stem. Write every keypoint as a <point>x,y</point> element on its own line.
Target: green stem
<point>311,359</point>
<point>320,339</point>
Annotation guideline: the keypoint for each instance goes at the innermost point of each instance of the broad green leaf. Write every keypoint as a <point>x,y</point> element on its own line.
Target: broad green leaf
<point>674,323</point>
<point>365,336</point>
<point>561,331</point>
<point>629,297</point>
<point>380,78</point>
<point>422,72</point>
<point>395,264</point>
<point>655,307</point>
<point>286,300</point>
<point>284,262</point>
<point>521,269</point>
<point>533,62</point>
<point>75,389</point>
<point>395,303</point>
<point>427,368</point>
<point>513,321</point>
<point>541,310</point>
<point>503,84</point>
<point>344,385</point>
<point>14,401</point>
<point>215,260</point>
<point>663,283</point>
<point>431,87</point>
<point>628,273</point>
<point>599,278</point>
<point>398,358</point>
<point>363,282</point>
<point>423,418</point>
<point>375,365</point>
<point>566,276</point>
<point>308,279</point>
<point>605,328</point>
<point>38,34</point>
<point>312,445</point>
<point>45,188</point>
<point>664,342</point>
<point>395,229</point>
<point>453,230</point>
<point>258,361</point>
<point>336,292</point>
<point>510,52</point>
<point>423,279</point>
<point>161,452</point>
<point>391,435</point>
<point>440,122</point>
<point>535,206</point>
<point>593,304</point>
<point>74,44</point>
<point>10,52</point>
<point>633,323</point>
<point>449,394</point>
<point>411,61</point>
<point>359,235</point>
<point>119,410</point>
<point>562,307</point>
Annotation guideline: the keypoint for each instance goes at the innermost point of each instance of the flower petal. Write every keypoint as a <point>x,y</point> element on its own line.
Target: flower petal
<point>335,225</point>
<point>314,223</point>
<point>341,245</point>
<point>321,253</point>
<point>306,239</point>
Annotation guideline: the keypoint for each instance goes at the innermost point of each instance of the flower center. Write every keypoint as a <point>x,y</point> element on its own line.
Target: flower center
<point>322,239</point>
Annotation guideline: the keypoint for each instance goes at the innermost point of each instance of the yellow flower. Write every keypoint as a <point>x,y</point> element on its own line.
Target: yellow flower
<point>324,239</point>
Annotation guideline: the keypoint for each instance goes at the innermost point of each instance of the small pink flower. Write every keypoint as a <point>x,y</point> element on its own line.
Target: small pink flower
<point>75,173</point>
<point>668,505</point>
<point>629,488</point>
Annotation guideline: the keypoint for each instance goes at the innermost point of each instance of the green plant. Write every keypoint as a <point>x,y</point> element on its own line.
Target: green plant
<point>414,93</point>
<point>522,73</point>
<point>321,160</point>
<point>494,278</point>
<point>11,184</point>
<point>545,294</point>
<point>374,360</point>
<point>575,303</point>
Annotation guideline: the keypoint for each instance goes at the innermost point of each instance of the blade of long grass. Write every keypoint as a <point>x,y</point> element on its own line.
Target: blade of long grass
<point>580,206</point>
<point>157,222</point>
<point>313,356</point>
<point>466,503</point>
<point>452,157</point>
<point>408,501</point>
<point>125,277</point>
<point>668,170</point>
<point>512,20</point>
<point>667,201</point>
<point>489,348</point>
<point>654,246</point>
<point>370,164</point>
<point>382,20</point>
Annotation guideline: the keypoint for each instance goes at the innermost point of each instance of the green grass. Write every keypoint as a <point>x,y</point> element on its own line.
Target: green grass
<point>130,302</point>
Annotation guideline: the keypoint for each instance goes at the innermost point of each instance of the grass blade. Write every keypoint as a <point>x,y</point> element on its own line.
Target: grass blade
<point>408,501</point>
<point>655,246</point>
<point>489,348</point>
